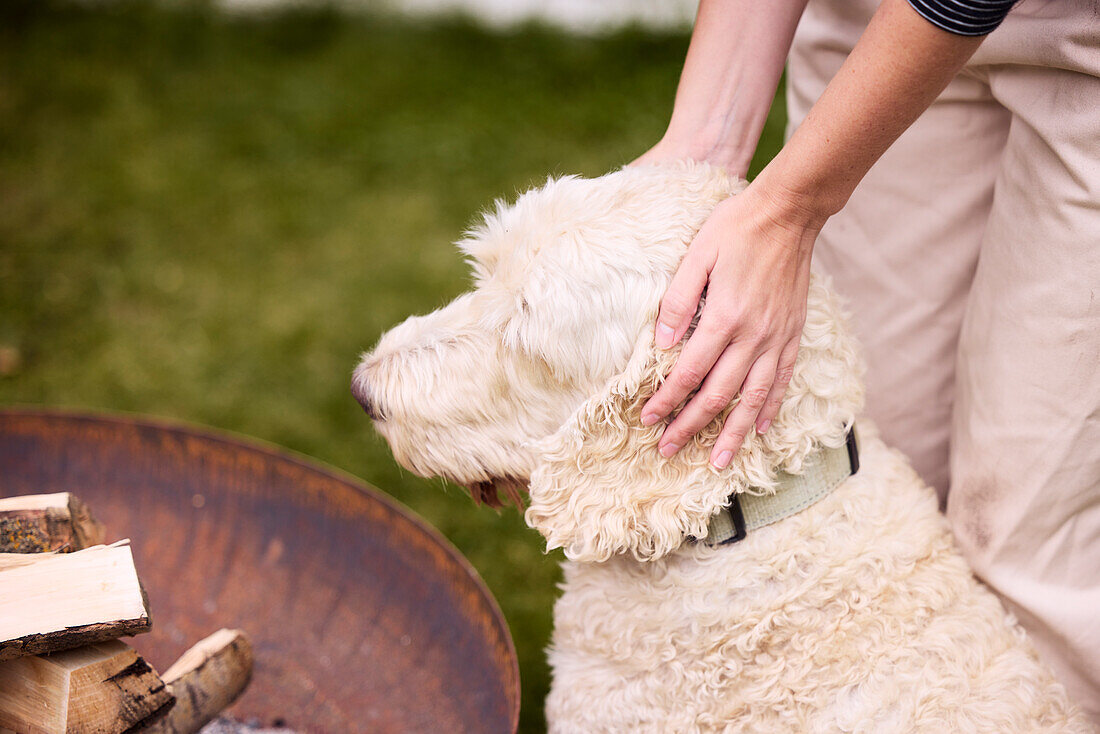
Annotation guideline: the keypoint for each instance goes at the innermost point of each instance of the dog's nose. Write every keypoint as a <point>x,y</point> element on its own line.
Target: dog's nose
<point>361,390</point>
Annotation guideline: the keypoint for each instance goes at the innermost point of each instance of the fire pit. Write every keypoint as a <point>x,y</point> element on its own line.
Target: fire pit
<point>363,618</point>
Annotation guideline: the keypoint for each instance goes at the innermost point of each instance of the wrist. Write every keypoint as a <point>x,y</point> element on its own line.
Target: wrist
<point>793,212</point>
<point>798,195</point>
<point>780,231</point>
<point>708,143</point>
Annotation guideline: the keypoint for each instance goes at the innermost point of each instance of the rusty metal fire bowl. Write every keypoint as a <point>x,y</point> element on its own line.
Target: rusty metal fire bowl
<point>363,618</point>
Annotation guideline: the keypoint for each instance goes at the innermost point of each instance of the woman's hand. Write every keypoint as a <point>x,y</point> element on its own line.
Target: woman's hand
<point>753,254</point>
<point>753,257</point>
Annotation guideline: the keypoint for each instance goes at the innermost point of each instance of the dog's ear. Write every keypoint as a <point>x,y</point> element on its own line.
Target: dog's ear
<point>601,489</point>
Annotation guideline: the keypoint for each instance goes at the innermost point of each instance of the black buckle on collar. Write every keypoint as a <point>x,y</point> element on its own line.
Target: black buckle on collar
<point>853,449</point>
<point>738,518</point>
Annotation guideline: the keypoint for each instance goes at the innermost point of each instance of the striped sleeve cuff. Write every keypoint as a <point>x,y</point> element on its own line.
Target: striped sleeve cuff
<point>964,17</point>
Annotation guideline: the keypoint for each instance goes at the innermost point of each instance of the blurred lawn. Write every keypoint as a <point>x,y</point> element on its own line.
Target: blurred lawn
<point>209,218</point>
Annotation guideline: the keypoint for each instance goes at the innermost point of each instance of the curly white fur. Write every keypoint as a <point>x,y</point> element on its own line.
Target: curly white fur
<point>599,489</point>
<point>855,615</point>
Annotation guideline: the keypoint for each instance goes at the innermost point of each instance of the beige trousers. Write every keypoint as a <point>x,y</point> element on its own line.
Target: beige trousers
<point>970,257</point>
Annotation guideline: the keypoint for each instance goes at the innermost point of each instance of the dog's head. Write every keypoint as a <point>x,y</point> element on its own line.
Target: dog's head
<point>537,376</point>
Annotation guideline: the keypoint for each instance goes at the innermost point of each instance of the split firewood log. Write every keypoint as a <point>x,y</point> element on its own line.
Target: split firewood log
<point>38,523</point>
<point>56,601</point>
<point>105,688</point>
<point>205,680</point>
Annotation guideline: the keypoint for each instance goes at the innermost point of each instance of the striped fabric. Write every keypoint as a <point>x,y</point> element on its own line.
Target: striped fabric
<point>964,17</point>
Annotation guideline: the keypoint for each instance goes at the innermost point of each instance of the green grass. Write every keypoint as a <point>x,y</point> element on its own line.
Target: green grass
<point>209,217</point>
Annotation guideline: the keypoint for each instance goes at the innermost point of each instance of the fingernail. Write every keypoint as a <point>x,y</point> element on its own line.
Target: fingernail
<point>664,336</point>
<point>648,419</point>
<point>668,449</point>
<point>763,427</point>
<point>722,460</point>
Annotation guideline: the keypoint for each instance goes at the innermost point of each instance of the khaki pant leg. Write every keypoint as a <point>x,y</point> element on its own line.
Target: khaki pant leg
<point>1025,448</point>
<point>1025,491</point>
<point>903,250</point>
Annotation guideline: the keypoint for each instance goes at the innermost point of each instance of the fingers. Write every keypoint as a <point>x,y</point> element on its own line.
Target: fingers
<point>715,394</point>
<point>784,371</point>
<point>699,355</point>
<point>682,298</point>
<point>754,395</point>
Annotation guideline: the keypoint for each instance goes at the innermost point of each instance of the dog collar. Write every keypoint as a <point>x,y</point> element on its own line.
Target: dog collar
<point>822,472</point>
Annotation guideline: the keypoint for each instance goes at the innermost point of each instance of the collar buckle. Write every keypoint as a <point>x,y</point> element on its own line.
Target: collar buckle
<point>828,469</point>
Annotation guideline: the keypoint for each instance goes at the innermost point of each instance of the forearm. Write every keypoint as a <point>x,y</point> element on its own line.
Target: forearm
<point>752,255</point>
<point>733,65</point>
<point>900,65</point>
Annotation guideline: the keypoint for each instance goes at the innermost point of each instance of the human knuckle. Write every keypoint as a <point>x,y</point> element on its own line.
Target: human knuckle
<point>688,377</point>
<point>658,404</point>
<point>783,375</point>
<point>754,397</point>
<point>676,304</point>
<point>757,332</point>
<point>715,402</point>
<point>734,437</point>
<point>722,315</point>
<point>678,435</point>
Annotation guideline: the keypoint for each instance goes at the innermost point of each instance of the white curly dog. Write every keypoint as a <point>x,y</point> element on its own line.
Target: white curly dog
<point>854,614</point>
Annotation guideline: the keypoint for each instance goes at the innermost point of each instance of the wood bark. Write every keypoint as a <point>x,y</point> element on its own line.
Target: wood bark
<point>205,680</point>
<point>104,688</point>
<point>47,522</point>
<point>52,601</point>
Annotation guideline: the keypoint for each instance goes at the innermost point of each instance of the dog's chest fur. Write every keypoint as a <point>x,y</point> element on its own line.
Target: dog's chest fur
<point>854,615</point>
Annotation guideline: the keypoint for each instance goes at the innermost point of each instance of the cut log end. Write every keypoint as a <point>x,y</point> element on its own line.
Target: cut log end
<point>41,523</point>
<point>105,688</point>
<point>205,680</point>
